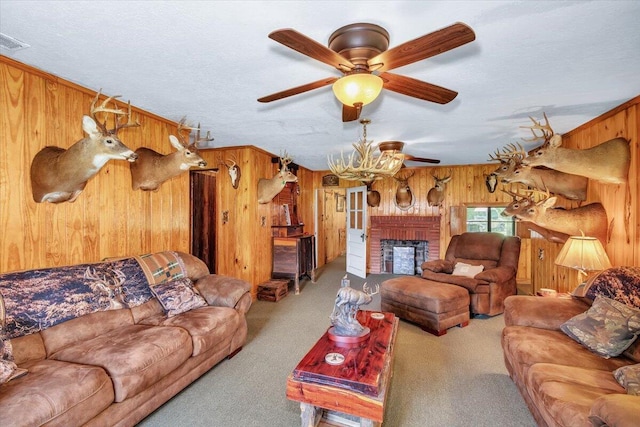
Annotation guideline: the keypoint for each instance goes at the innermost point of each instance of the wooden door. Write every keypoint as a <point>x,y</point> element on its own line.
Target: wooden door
<point>357,231</point>
<point>203,217</point>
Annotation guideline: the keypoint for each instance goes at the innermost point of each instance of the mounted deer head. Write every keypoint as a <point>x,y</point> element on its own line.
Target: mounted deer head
<point>373,196</point>
<point>269,188</point>
<point>607,162</point>
<point>491,181</point>
<point>233,169</point>
<point>435,196</point>
<point>152,168</point>
<point>590,219</point>
<point>512,170</point>
<point>59,175</point>
<point>404,199</point>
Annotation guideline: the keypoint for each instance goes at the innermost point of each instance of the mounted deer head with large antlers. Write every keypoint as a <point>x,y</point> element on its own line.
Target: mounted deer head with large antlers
<point>512,170</point>
<point>269,188</point>
<point>607,162</point>
<point>59,175</point>
<point>233,169</point>
<point>404,199</point>
<point>590,219</point>
<point>152,168</point>
<point>435,196</point>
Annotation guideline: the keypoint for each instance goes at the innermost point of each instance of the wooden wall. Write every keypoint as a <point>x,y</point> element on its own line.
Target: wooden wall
<point>108,218</point>
<point>620,201</point>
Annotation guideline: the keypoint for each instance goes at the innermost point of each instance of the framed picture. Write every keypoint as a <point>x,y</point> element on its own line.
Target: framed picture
<point>340,202</point>
<point>330,181</point>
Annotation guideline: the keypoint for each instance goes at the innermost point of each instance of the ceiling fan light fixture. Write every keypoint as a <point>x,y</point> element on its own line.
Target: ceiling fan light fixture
<point>357,88</point>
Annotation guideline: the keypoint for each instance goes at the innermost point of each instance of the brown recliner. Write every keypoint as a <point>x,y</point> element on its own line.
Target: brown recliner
<point>497,253</point>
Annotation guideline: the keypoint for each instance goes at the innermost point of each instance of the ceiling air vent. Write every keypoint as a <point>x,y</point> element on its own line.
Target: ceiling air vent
<point>9,43</point>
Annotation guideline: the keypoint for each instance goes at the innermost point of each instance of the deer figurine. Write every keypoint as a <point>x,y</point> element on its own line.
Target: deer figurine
<point>404,199</point>
<point>435,196</point>
<point>59,175</point>
<point>233,169</point>
<point>269,188</point>
<point>607,162</point>
<point>512,170</point>
<point>152,168</point>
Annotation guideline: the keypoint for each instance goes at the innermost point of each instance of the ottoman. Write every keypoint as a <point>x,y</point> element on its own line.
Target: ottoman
<point>434,306</point>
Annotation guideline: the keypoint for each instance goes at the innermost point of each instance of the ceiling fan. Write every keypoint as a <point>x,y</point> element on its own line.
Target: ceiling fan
<point>362,49</point>
<point>397,146</point>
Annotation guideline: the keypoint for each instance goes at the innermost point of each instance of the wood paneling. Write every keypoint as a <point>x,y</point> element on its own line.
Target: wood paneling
<point>108,218</point>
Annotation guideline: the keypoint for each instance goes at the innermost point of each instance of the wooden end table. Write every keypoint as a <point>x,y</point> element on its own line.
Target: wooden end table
<point>354,390</point>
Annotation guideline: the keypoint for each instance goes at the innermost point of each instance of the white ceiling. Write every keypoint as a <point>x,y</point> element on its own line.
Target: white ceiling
<point>211,60</point>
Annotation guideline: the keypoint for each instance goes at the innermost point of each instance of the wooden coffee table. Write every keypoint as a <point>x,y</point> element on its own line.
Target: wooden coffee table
<point>352,391</point>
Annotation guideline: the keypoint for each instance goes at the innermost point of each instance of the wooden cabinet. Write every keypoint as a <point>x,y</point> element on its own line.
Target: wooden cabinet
<point>294,257</point>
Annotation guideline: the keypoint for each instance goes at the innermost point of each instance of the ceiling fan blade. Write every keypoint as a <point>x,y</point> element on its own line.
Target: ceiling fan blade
<point>298,90</point>
<point>420,159</point>
<point>306,46</point>
<point>350,114</point>
<point>417,88</point>
<point>424,47</point>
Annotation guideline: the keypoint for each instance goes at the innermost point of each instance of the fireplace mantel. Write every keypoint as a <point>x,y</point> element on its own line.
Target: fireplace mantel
<point>402,228</point>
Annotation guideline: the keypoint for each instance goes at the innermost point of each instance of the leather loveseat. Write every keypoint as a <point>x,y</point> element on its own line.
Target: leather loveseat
<point>498,255</point>
<point>564,382</point>
<point>126,356</point>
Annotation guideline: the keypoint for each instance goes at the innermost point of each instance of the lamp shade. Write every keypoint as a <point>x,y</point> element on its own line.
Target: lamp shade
<point>361,88</point>
<point>583,253</point>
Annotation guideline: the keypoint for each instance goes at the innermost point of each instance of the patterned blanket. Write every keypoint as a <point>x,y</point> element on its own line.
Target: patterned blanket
<point>33,300</point>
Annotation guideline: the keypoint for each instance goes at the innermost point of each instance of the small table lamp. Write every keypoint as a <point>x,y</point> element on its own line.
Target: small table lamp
<point>583,253</point>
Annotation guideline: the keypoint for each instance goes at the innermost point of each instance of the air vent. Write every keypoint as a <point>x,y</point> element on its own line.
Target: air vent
<point>9,43</point>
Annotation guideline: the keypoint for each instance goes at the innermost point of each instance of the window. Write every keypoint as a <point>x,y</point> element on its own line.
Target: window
<point>490,218</point>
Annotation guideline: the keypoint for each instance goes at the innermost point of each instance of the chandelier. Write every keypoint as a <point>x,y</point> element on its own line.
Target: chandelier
<point>366,163</point>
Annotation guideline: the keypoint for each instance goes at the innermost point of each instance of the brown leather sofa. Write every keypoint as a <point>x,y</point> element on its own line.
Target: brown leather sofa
<point>562,382</point>
<point>488,289</point>
<point>115,367</point>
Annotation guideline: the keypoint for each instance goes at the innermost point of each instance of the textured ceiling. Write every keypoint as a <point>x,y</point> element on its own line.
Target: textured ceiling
<point>211,60</point>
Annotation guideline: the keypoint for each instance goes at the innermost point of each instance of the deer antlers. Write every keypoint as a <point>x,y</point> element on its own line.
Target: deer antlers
<point>182,125</point>
<point>102,108</point>
<point>546,130</point>
<point>509,152</point>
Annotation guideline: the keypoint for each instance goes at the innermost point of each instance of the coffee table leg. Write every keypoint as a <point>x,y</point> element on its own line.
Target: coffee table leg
<point>310,415</point>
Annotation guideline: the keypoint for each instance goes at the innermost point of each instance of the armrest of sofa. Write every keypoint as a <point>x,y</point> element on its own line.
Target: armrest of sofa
<point>620,410</point>
<point>224,291</point>
<point>438,266</point>
<point>541,312</point>
<point>496,275</point>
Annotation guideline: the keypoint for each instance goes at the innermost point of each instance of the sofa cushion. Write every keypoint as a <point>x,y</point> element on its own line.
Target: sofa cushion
<point>134,356</point>
<point>473,285</point>
<point>55,392</point>
<point>221,290</point>
<point>177,296</point>
<point>629,378</point>
<point>608,328</point>
<point>525,346</point>
<point>209,327</point>
<point>7,364</point>
<point>564,394</point>
<point>438,266</point>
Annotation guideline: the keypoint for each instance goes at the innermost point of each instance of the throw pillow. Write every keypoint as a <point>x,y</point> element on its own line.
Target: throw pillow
<point>629,378</point>
<point>608,328</point>
<point>7,365</point>
<point>178,296</point>
<point>467,270</point>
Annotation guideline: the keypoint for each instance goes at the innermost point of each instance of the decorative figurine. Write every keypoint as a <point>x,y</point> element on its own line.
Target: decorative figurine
<point>343,317</point>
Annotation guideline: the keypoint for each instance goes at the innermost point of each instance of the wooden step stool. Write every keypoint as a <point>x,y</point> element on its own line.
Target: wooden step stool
<point>273,290</point>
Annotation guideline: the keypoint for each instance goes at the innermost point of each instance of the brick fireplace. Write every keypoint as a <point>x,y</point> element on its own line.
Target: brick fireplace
<point>402,228</point>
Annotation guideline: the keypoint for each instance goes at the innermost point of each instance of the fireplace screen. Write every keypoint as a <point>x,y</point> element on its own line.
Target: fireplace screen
<point>403,256</point>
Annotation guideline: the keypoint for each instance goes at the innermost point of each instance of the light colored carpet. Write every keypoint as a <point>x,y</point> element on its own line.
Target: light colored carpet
<point>458,379</point>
